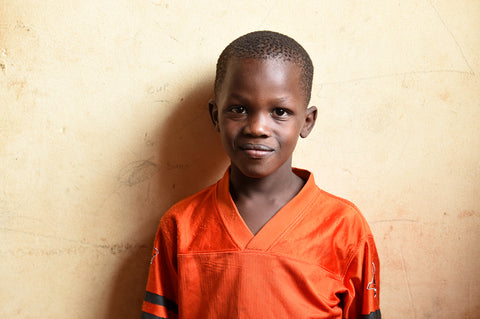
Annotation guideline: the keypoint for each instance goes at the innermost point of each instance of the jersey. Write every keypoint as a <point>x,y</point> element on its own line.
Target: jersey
<point>315,258</point>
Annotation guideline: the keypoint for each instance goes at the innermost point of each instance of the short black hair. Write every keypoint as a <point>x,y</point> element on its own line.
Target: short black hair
<point>267,45</point>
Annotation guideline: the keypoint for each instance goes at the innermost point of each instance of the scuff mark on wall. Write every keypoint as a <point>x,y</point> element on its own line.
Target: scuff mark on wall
<point>467,213</point>
<point>137,172</point>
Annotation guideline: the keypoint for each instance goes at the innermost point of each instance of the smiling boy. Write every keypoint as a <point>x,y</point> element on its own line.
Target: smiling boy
<point>264,241</point>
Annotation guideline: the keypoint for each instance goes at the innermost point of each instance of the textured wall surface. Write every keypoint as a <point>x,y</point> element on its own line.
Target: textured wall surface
<point>103,125</point>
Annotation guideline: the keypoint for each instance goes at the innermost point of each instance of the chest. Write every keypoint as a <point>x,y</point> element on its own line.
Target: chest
<point>257,213</point>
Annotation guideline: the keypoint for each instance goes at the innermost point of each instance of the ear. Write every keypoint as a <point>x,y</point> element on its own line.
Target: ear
<point>310,118</point>
<point>213,110</point>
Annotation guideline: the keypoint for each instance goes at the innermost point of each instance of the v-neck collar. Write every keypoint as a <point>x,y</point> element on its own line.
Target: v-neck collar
<point>279,224</point>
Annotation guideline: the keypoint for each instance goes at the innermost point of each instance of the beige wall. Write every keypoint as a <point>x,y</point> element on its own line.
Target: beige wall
<point>103,126</point>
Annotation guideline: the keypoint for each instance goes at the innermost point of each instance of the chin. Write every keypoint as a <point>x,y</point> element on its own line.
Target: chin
<point>254,174</point>
<point>255,171</point>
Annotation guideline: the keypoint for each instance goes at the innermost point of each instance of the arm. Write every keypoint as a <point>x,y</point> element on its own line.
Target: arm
<point>161,295</point>
<point>362,280</point>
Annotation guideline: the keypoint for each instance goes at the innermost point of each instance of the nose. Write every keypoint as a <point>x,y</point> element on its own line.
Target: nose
<point>257,125</point>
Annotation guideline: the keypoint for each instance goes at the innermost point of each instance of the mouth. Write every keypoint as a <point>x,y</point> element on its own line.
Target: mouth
<point>256,151</point>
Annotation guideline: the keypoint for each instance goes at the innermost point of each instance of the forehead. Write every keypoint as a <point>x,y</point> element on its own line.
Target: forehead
<point>254,74</point>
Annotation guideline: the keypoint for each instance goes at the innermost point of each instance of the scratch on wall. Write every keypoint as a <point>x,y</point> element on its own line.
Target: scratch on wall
<point>80,246</point>
<point>453,37</point>
<point>394,220</point>
<point>267,14</point>
<point>397,74</point>
<point>407,282</point>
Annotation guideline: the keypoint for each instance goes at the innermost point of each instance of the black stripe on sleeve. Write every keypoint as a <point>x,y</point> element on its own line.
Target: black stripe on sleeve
<point>373,315</point>
<point>161,301</point>
<point>146,315</point>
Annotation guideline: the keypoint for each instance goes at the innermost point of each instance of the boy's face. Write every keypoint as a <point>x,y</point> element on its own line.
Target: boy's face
<point>260,112</point>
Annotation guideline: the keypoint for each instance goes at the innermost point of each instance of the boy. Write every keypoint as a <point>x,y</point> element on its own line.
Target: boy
<point>265,241</point>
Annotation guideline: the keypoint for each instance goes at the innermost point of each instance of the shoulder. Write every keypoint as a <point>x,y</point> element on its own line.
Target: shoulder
<point>194,224</point>
<point>327,211</point>
<point>185,208</point>
<point>345,213</point>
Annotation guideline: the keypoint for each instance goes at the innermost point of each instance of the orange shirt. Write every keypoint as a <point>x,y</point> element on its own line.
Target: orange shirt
<point>316,258</point>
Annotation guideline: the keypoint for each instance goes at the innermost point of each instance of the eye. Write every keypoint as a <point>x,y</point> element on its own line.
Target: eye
<point>280,112</point>
<point>240,109</point>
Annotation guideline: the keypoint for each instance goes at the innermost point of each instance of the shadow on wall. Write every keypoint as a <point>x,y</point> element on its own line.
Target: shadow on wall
<point>190,157</point>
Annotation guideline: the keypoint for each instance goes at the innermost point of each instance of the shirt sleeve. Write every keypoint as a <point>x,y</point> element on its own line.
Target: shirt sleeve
<point>362,300</point>
<point>161,293</point>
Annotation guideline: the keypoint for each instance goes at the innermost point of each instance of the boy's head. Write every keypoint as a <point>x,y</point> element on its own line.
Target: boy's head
<point>262,89</point>
<point>267,45</point>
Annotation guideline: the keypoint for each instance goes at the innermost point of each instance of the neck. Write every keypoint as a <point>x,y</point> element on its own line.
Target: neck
<point>283,180</point>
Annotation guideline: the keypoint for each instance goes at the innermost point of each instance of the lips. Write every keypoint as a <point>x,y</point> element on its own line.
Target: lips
<point>256,151</point>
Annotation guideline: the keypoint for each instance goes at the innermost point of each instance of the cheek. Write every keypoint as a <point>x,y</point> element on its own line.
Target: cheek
<point>292,142</point>
<point>290,135</point>
<point>228,131</point>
